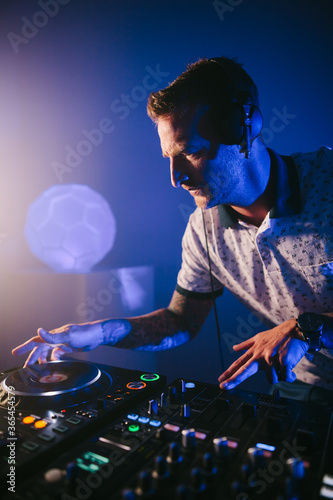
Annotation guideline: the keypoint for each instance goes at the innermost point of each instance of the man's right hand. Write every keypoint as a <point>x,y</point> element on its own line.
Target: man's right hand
<point>53,344</point>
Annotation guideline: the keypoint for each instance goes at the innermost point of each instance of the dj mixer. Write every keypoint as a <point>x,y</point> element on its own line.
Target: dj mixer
<point>76,430</point>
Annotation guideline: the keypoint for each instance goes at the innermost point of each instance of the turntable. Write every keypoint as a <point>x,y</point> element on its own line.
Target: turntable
<point>51,407</point>
<point>59,384</point>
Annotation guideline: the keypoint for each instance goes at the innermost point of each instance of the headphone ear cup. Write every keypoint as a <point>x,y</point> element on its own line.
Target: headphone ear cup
<point>256,123</point>
<point>233,128</point>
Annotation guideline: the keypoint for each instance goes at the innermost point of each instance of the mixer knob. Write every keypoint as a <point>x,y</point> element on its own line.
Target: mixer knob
<point>174,453</point>
<point>296,468</point>
<point>185,411</point>
<point>208,465</point>
<point>197,482</point>
<point>294,482</point>
<point>189,440</point>
<point>160,467</point>
<point>256,458</point>
<point>72,472</point>
<point>160,471</point>
<point>163,400</point>
<point>162,435</point>
<point>221,448</point>
<point>183,493</point>
<point>172,394</point>
<point>54,475</point>
<point>129,495</point>
<point>145,486</point>
<point>152,407</point>
<point>174,458</point>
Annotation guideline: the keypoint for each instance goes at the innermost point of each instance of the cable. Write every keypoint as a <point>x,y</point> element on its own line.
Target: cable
<point>213,294</point>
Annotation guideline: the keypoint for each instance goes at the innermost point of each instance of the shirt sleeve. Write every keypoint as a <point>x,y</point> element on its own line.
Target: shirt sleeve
<point>193,278</point>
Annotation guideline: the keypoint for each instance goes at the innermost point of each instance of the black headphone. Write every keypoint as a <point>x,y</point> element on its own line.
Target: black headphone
<point>241,121</point>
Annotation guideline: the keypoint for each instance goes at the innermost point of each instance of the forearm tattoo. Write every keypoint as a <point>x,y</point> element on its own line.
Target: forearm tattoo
<point>159,330</point>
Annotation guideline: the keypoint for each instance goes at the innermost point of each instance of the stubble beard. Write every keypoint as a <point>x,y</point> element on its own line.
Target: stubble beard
<point>222,178</point>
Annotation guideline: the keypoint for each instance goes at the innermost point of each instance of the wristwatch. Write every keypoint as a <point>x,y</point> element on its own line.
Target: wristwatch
<point>311,327</point>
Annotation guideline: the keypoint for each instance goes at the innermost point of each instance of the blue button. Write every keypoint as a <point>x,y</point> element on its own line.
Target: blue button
<point>155,423</point>
<point>132,416</point>
<point>144,420</point>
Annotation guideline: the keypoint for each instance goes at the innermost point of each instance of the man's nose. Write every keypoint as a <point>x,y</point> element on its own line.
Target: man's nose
<point>177,172</point>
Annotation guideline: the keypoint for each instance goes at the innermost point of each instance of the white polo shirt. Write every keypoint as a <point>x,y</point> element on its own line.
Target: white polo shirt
<point>284,267</point>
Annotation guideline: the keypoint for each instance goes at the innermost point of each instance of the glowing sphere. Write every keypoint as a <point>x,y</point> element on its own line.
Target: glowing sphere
<point>70,228</point>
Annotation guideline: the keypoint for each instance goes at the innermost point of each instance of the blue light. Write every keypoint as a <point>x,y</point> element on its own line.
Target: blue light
<point>143,420</point>
<point>189,385</point>
<point>263,446</point>
<point>132,416</point>
<point>155,423</point>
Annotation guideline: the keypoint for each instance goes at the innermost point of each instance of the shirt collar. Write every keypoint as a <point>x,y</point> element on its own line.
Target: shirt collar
<point>287,199</point>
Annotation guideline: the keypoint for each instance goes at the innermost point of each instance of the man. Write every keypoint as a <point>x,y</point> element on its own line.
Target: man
<point>259,212</point>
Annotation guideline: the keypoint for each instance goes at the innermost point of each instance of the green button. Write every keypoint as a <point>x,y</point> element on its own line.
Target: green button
<point>46,437</point>
<point>60,428</point>
<point>29,445</point>
<point>74,420</point>
<point>149,377</point>
<point>134,428</point>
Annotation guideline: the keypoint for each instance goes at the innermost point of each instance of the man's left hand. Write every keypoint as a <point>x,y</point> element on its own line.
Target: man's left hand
<point>276,351</point>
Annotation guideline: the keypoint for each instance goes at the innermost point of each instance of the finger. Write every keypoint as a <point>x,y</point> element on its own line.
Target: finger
<point>43,357</point>
<point>27,346</point>
<point>236,373</point>
<point>35,354</point>
<point>243,345</point>
<point>290,376</point>
<point>52,338</point>
<point>32,358</point>
<point>235,366</point>
<point>59,351</point>
<point>243,373</point>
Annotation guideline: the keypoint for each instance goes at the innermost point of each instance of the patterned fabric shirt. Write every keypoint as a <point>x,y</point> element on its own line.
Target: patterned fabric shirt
<point>280,269</point>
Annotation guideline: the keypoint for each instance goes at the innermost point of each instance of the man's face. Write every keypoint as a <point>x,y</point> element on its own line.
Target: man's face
<point>212,173</point>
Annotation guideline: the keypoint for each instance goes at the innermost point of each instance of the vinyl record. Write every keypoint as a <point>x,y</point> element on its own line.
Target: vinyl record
<point>51,379</point>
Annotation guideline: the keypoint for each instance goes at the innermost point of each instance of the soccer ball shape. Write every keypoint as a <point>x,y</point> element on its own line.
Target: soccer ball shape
<point>70,228</point>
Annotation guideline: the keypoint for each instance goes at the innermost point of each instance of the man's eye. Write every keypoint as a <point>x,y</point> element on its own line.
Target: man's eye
<point>196,154</point>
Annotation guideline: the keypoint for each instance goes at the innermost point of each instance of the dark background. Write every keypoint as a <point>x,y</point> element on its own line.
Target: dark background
<point>65,78</point>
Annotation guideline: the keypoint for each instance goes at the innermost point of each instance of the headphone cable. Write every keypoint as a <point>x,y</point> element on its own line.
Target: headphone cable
<point>213,293</point>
